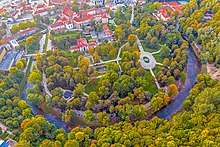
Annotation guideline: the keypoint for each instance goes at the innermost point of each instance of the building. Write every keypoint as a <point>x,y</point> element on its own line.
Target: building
<point>167,11</point>
<point>2,53</point>
<point>82,45</point>
<point>98,2</point>
<point>18,35</point>
<point>108,32</point>
<point>57,26</point>
<point>14,44</point>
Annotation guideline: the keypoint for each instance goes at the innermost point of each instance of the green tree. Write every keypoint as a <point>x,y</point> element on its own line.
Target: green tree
<point>88,115</point>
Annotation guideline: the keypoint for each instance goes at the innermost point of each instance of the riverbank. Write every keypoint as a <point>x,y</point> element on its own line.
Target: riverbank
<point>193,69</point>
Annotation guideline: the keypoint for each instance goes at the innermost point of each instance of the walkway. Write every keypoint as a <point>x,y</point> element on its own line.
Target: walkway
<point>132,15</point>
<point>44,81</point>
<point>41,43</point>
<point>151,63</point>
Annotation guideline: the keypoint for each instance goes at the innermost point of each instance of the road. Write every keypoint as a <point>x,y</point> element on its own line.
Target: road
<point>41,43</point>
<point>8,30</point>
<point>132,15</point>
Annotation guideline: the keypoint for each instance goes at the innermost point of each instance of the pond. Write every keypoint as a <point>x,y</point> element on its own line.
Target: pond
<point>146,59</point>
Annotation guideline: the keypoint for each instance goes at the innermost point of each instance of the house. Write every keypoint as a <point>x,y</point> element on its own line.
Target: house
<point>108,32</point>
<point>14,44</point>
<point>57,26</point>
<point>58,1</point>
<point>2,53</point>
<point>84,17</point>
<point>167,11</point>
<point>24,33</point>
<point>27,8</point>
<point>82,45</point>
<point>67,13</point>
<point>40,10</point>
<point>104,18</point>
<point>98,2</point>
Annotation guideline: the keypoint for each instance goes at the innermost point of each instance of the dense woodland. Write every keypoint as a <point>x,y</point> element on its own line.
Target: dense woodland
<point>202,31</point>
<point>116,99</point>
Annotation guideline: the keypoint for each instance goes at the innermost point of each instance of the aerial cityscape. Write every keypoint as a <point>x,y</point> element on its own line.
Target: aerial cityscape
<point>109,73</point>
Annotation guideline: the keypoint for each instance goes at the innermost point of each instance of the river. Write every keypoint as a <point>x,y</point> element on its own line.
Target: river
<point>53,119</point>
<point>193,68</point>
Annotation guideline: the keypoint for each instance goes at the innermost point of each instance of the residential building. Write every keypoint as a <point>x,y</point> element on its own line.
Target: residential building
<point>2,53</point>
<point>57,26</point>
<point>82,45</point>
<point>18,35</point>
<point>168,10</point>
<point>14,44</point>
<point>108,32</point>
<point>98,2</point>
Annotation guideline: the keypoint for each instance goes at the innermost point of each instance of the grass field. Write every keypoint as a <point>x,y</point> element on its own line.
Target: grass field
<point>66,34</point>
<point>152,86</point>
<point>90,87</point>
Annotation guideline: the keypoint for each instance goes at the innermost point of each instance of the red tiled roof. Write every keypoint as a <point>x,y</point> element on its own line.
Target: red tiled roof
<point>58,1</point>
<point>83,18</point>
<point>173,3</point>
<point>27,8</point>
<point>56,24</point>
<point>76,47</point>
<point>67,11</point>
<point>177,8</point>
<point>82,42</point>
<point>40,11</point>
<point>40,6</point>
<point>20,33</point>
<point>104,15</point>
<point>2,10</point>
<point>108,32</point>
<point>92,44</point>
<point>163,12</point>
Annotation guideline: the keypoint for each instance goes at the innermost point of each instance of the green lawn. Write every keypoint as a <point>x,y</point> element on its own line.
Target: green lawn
<point>147,49</point>
<point>152,87</point>
<point>66,34</point>
<point>4,136</point>
<point>158,57</point>
<point>90,87</point>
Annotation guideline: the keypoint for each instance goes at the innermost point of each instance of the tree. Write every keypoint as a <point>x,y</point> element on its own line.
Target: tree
<point>71,143</point>
<point>165,51</point>
<point>156,103</point>
<point>93,98</point>
<point>154,43</point>
<point>22,104</point>
<point>103,118</point>
<point>88,115</point>
<point>139,111</point>
<point>132,39</point>
<point>69,116</point>
<point>119,32</point>
<point>172,90</point>
<point>191,38</point>
<point>79,90</point>
<point>35,76</point>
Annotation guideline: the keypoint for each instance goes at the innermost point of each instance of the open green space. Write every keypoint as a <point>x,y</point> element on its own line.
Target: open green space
<point>4,135</point>
<point>67,34</point>
<point>151,87</point>
<point>147,49</point>
<point>90,87</point>
<point>158,57</point>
